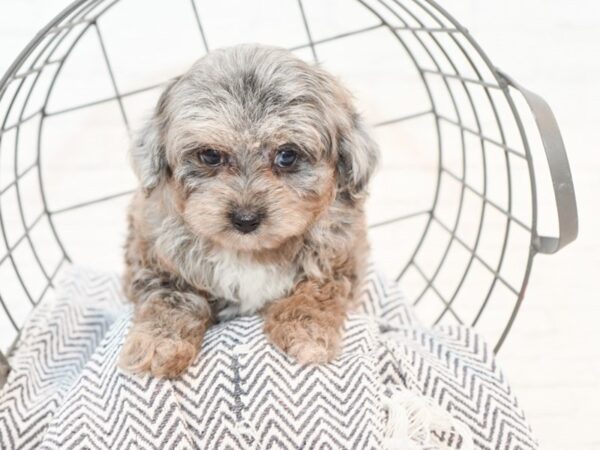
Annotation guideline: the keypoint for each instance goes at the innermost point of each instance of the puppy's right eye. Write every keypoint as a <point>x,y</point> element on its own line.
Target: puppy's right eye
<point>211,157</point>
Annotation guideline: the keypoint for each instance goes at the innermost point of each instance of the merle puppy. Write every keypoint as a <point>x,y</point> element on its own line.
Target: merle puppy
<point>253,173</point>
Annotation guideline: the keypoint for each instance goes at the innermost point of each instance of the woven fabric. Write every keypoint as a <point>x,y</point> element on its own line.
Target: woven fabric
<point>65,391</point>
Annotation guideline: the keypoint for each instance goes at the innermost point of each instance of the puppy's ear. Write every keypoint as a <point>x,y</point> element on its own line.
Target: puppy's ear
<point>147,152</point>
<point>357,159</point>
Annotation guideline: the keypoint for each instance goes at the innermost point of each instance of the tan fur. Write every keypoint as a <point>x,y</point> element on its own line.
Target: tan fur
<point>187,266</point>
<point>308,323</point>
<point>163,340</point>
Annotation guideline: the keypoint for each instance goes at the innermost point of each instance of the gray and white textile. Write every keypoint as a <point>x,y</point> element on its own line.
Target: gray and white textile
<point>396,384</point>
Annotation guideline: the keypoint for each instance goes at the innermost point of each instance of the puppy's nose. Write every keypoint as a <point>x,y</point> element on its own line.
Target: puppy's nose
<point>245,221</point>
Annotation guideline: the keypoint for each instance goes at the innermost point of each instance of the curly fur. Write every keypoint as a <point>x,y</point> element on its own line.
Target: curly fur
<point>187,266</point>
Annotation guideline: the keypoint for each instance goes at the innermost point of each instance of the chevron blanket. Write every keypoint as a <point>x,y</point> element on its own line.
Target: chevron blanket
<point>396,384</point>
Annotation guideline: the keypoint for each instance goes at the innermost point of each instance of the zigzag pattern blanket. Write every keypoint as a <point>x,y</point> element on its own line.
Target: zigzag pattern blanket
<point>395,385</point>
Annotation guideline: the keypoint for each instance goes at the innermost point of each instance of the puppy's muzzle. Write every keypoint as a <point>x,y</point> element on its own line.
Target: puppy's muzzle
<point>245,221</point>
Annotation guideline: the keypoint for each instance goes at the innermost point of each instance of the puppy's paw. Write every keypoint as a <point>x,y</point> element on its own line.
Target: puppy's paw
<point>308,340</point>
<point>165,357</point>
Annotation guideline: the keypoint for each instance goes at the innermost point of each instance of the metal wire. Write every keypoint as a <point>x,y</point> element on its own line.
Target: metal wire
<point>429,281</point>
<point>440,41</point>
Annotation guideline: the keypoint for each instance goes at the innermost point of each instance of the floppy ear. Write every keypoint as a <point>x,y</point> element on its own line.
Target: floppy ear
<point>147,152</point>
<point>357,159</point>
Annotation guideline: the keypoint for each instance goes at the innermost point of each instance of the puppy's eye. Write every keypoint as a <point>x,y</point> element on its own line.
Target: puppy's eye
<point>211,157</point>
<point>286,156</point>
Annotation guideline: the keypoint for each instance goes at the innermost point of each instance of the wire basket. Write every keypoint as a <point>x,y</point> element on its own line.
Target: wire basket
<point>454,208</point>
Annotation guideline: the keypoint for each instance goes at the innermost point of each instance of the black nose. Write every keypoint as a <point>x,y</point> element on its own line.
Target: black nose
<point>245,221</point>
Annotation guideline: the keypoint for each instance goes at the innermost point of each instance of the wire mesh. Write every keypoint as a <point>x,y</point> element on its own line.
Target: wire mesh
<point>462,218</point>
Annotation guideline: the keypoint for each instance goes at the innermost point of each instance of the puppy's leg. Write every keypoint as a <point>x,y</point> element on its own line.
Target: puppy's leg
<point>167,330</point>
<point>308,324</point>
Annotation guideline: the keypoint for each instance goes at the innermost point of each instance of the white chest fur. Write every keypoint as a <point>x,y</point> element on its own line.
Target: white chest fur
<point>247,284</point>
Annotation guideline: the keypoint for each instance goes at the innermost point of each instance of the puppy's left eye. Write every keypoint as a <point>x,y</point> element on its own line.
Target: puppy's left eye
<point>211,157</point>
<point>286,156</point>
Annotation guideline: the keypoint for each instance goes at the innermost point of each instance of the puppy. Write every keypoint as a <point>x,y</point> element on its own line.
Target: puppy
<point>253,173</point>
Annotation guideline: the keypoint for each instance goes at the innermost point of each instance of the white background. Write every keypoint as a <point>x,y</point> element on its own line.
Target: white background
<point>552,356</point>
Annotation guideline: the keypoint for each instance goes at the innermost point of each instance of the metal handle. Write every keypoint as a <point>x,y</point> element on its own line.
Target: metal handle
<point>560,172</point>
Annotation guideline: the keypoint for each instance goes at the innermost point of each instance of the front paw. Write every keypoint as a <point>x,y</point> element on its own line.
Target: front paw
<point>308,340</point>
<point>146,351</point>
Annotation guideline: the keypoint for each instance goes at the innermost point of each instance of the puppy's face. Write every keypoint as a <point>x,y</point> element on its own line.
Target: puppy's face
<point>255,145</point>
<point>253,190</point>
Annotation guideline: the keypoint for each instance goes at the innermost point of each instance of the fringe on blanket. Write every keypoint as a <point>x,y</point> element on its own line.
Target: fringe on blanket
<point>414,421</point>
